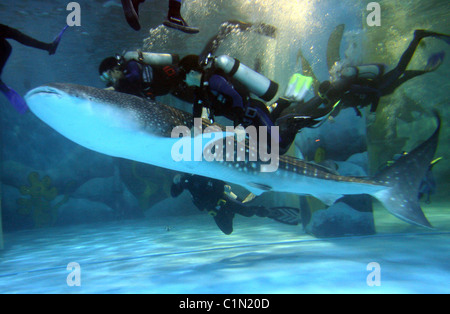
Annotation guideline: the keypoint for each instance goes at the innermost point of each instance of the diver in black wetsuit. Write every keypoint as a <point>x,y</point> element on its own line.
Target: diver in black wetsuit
<point>146,75</point>
<point>216,198</point>
<point>228,94</point>
<point>360,86</point>
<point>7,32</point>
<point>174,18</point>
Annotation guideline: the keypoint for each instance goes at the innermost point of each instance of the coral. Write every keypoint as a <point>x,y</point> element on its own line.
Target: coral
<point>154,186</point>
<point>39,204</point>
<point>148,184</point>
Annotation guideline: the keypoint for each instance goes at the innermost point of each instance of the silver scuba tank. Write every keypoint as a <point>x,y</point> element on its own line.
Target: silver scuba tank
<point>152,58</point>
<point>256,83</point>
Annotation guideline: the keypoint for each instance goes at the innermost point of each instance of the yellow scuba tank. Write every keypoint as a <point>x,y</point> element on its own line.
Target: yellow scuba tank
<point>256,83</point>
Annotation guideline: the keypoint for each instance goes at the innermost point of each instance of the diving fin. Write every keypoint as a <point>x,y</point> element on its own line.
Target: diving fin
<point>334,46</point>
<point>307,70</point>
<point>131,10</point>
<point>266,30</point>
<point>224,220</point>
<point>14,98</point>
<point>181,27</point>
<point>285,215</point>
<point>56,41</point>
<point>298,86</point>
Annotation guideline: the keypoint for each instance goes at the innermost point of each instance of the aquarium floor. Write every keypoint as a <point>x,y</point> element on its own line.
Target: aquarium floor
<point>195,257</point>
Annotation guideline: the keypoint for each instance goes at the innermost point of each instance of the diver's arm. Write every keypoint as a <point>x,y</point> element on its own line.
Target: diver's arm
<point>152,58</point>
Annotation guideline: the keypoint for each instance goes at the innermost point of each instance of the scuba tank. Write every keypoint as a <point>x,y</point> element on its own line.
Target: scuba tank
<point>367,72</point>
<point>256,83</point>
<point>152,58</point>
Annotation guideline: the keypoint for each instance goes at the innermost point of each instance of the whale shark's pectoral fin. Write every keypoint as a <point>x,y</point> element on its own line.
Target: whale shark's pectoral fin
<point>258,188</point>
<point>328,199</point>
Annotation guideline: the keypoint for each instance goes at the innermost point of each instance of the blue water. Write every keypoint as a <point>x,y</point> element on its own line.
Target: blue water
<point>115,218</point>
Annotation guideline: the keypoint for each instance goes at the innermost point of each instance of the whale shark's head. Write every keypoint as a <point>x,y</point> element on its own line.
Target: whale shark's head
<point>64,106</point>
<point>104,120</point>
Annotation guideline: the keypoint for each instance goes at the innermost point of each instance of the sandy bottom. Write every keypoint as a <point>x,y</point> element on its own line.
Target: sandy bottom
<point>261,256</point>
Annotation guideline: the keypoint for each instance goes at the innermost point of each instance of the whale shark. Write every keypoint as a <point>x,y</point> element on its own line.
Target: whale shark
<point>126,126</point>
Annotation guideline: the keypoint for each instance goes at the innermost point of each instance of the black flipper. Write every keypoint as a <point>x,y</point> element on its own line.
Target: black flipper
<point>308,71</point>
<point>285,215</point>
<point>404,179</point>
<point>224,220</point>
<point>229,27</point>
<point>131,10</point>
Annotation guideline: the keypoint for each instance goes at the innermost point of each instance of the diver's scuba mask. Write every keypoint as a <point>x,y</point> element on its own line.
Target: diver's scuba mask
<point>106,78</point>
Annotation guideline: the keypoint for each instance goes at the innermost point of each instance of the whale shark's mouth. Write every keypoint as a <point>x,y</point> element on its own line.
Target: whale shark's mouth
<point>44,90</point>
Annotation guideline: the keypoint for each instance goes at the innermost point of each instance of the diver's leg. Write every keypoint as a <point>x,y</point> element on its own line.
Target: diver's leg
<point>176,21</point>
<point>5,52</point>
<point>131,10</point>
<point>434,62</point>
<point>12,33</point>
<point>390,77</point>
<point>229,27</point>
<point>13,97</point>
<point>224,220</point>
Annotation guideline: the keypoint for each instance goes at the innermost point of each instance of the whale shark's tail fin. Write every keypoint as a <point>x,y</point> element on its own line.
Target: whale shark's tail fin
<point>404,178</point>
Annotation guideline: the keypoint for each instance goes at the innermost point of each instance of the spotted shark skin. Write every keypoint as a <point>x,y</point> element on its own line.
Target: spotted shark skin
<point>126,126</point>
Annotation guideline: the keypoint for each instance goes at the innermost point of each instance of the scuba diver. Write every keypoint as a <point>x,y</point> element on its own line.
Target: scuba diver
<point>144,74</point>
<point>360,86</point>
<point>7,32</point>
<point>223,86</point>
<point>174,19</point>
<point>222,204</point>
